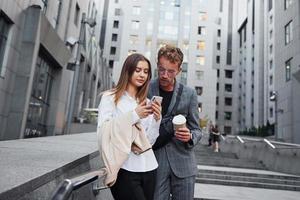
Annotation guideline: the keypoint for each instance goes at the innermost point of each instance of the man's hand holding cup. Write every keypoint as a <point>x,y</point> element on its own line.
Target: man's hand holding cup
<point>182,133</point>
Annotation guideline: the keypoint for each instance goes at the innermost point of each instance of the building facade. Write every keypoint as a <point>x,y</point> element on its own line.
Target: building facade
<point>35,83</point>
<point>267,57</point>
<point>286,109</point>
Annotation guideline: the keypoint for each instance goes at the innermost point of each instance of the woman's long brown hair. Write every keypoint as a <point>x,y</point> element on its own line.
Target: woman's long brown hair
<point>128,69</point>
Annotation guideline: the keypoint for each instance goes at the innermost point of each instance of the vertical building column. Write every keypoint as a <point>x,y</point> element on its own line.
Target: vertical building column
<point>24,75</point>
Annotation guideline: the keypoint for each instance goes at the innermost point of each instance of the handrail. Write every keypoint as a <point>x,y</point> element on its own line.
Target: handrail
<point>65,189</point>
<point>272,144</point>
<point>240,139</point>
<point>269,143</point>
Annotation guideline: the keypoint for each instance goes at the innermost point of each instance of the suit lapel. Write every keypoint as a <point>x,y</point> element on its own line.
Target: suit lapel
<point>173,100</point>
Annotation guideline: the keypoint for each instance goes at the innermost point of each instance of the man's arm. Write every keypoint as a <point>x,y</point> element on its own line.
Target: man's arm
<point>193,121</point>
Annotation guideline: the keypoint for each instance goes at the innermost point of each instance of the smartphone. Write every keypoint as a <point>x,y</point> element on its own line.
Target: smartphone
<point>156,98</point>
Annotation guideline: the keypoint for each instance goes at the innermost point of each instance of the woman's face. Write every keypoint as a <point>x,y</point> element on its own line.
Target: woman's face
<point>140,75</point>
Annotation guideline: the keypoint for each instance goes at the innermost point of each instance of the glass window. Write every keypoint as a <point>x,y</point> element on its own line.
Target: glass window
<point>131,51</point>
<point>202,16</point>
<point>201,45</point>
<point>199,90</point>
<point>227,129</point>
<point>287,4</point>
<point>76,15</point>
<point>219,32</point>
<point>271,80</point>
<point>201,30</point>
<point>199,75</point>
<point>288,32</point>
<point>228,73</point>
<point>36,124</point>
<point>114,37</point>
<point>117,12</point>
<point>228,88</point>
<point>271,64</point>
<point>228,101</point>
<point>271,49</point>
<point>218,45</point>
<point>271,112</point>
<point>135,24</point>
<point>227,115</point>
<point>4,29</point>
<point>245,33</point>
<point>136,10</point>
<point>169,15</point>
<point>116,24</point>
<point>113,50</point>
<point>288,70</point>
<point>111,63</point>
<point>218,59</point>
<point>270,4</point>
<point>200,107</point>
<point>133,39</point>
<point>200,60</point>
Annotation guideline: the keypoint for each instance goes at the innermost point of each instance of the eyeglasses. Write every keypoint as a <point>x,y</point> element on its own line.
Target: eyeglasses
<point>162,70</point>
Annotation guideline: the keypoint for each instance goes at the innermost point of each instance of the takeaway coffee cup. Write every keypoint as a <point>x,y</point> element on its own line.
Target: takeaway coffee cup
<point>179,121</point>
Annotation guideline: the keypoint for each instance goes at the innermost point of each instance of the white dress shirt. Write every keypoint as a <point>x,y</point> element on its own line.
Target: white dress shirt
<point>108,110</point>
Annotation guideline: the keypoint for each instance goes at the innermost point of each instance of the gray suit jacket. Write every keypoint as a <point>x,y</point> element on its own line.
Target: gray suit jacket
<point>180,154</point>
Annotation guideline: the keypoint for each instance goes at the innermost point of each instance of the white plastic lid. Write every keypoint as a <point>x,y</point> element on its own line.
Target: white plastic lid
<point>179,119</point>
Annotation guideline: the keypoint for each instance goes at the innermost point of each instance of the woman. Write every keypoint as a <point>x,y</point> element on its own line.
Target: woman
<point>215,138</point>
<point>136,178</point>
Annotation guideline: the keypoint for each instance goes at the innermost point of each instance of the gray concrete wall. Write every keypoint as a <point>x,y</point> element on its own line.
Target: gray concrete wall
<point>33,168</point>
<point>284,158</point>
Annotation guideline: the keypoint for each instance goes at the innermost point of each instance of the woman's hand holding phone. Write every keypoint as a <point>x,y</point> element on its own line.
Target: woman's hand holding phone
<point>143,110</point>
<point>156,107</point>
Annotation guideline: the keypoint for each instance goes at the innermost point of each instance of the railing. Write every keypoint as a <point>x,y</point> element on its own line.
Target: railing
<point>271,144</point>
<point>65,189</point>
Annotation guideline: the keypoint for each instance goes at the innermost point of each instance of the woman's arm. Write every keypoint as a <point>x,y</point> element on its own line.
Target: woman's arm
<point>106,109</point>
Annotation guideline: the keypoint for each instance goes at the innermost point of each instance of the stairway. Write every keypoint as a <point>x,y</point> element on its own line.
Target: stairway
<point>247,178</point>
<point>206,156</point>
<point>226,169</point>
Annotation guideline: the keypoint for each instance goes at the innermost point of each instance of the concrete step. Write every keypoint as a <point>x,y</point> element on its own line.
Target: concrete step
<point>229,162</point>
<point>250,174</point>
<point>206,156</point>
<point>246,178</point>
<point>223,192</point>
<point>248,184</point>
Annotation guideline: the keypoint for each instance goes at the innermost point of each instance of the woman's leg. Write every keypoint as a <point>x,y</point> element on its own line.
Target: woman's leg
<point>216,146</point>
<point>149,180</point>
<point>123,188</point>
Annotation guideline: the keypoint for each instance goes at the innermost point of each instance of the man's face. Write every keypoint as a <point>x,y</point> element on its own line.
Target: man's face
<point>167,72</point>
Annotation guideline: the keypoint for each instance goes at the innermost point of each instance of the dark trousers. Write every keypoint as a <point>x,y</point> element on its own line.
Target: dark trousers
<point>134,185</point>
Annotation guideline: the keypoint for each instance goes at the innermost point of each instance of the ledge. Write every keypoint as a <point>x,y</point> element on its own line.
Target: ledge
<point>28,164</point>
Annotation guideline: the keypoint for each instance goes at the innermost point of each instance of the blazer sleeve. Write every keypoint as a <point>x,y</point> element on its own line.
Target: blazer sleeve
<point>193,121</point>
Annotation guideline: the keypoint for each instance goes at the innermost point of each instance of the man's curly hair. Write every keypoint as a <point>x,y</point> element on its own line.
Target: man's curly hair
<point>171,53</point>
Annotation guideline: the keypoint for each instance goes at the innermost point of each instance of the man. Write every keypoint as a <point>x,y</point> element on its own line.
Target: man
<point>174,149</point>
